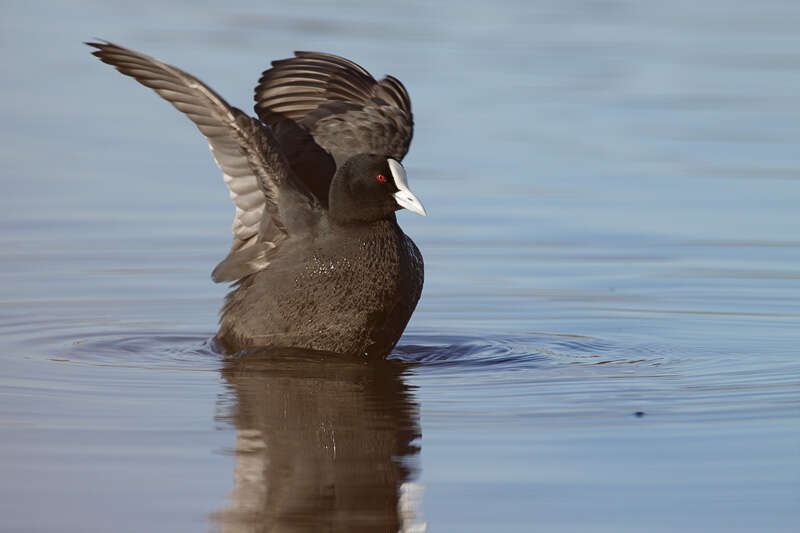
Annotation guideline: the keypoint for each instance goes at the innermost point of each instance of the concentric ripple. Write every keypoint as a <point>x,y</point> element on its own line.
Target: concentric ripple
<point>534,350</point>
<point>146,349</point>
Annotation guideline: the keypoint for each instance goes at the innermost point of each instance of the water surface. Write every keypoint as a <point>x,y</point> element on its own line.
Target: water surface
<point>607,339</point>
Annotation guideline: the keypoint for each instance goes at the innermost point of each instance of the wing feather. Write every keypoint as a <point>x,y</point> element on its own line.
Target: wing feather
<point>338,103</point>
<point>256,173</point>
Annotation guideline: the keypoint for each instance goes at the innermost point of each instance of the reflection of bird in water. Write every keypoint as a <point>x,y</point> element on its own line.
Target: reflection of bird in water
<point>322,445</point>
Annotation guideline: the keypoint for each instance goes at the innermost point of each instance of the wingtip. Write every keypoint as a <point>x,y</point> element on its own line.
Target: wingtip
<point>101,47</point>
<point>98,43</point>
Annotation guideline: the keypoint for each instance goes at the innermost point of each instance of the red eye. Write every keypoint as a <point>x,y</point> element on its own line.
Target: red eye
<point>381,178</point>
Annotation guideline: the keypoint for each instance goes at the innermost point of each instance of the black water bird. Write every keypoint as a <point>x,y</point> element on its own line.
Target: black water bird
<point>318,259</point>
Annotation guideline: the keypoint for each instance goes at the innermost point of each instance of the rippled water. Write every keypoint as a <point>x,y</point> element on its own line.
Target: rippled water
<point>607,339</point>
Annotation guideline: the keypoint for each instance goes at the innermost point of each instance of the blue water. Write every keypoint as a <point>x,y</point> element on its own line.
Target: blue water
<point>607,338</point>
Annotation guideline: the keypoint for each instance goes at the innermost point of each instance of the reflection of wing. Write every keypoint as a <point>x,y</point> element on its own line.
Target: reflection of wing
<point>255,172</point>
<point>343,107</point>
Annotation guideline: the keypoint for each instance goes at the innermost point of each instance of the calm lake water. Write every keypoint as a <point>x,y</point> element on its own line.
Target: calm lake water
<point>608,335</point>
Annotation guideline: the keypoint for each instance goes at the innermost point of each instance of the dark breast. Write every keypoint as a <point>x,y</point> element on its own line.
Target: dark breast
<point>352,293</point>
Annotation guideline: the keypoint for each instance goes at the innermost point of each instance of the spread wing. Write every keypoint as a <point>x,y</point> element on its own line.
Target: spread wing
<point>340,104</point>
<point>268,201</point>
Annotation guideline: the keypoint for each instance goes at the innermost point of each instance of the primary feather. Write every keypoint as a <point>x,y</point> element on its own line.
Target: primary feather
<point>326,109</point>
<point>256,173</point>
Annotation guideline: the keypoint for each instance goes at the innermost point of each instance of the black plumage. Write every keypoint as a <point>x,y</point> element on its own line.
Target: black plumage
<point>318,258</point>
